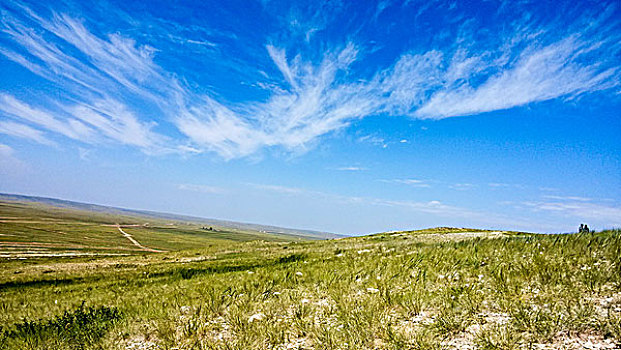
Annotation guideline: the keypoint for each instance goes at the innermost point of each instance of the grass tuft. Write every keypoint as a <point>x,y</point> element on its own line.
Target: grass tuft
<point>80,328</point>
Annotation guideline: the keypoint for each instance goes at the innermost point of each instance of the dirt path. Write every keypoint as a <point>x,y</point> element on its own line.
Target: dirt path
<point>135,242</point>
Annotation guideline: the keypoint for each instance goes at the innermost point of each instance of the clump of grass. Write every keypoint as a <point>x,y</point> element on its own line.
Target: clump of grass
<point>81,328</point>
<point>498,338</point>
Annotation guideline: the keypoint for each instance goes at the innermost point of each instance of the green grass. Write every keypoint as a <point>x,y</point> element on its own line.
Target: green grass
<point>431,289</point>
<point>34,229</point>
<point>81,328</point>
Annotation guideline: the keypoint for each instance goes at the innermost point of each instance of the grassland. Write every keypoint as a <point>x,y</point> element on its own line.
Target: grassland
<point>30,229</point>
<point>432,289</point>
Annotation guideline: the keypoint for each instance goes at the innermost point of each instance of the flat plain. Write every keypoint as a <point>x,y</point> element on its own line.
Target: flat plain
<point>70,279</point>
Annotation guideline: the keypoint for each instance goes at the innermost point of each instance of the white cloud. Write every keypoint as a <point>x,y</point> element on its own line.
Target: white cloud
<point>85,154</point>
<point>98,113</point>
<point>280,189</point>
<point>579,210</point>
<point>462,186</point>
<point>314,105</point>
<point>410,182</point>
<point>216,128</point>
<point>10,165</point>
<point>71,128</point>
<point>319,99</point>
<point>351,168</point>
<point>114,121</point>
<point>570,198</point>
<point>118,58</point>
<point>24,131</point>
<point>540,74</point>
<point>201,188</point>
<point>433,207</point>
<point>499,185</point>
<point>280,59</point>
<point>312,99</point>
<point>374,140</point>
<point>381,6</point>
<point>549,189</point>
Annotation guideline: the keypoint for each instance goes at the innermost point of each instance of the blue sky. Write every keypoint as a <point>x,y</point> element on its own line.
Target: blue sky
<point>350,117</point>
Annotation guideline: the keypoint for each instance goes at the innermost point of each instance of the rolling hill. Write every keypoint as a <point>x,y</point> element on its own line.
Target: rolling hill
<point>430,289</point>
<point>38,227</point>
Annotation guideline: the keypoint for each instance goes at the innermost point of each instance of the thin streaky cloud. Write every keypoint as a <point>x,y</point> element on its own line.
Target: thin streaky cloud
<point>462,186</point>
<point>410,182</point>
<point>94,113</point>
<point>374,140</point>
<point>116,122</point>
<point>433,207</point>
<point>540,74</point>
<point>71,128</point>
<point>570,198</point>
<point>201,188</point>
<point>549,189</point>
<point>10,165</point>
<point>499,185</point>
<point>351,168</point>
<point>311,97</point>
<point>24,131</point>
<point>279,189</point>
<point>578,210</point>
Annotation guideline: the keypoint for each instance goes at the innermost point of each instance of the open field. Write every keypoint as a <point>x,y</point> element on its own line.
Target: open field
<point>432,289</point>
<point>77,211</point>
<point>31,229</point>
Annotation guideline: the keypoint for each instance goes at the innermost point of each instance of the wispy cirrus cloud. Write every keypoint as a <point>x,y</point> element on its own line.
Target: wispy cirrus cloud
<point>109,80</point>
<point>281,189</point>
<point>569,198</point>
<point>96,86</point>
<point>502,185</point>
<point>9,163</point>
<point>24,131</point>
<point>351,168</point>
<point>578,209</point>
<point>316,99</point>
<point>201,188</point>
<point>462,186</point>
<point>374,140</point>
<point>539,74</point>
<point>432,207</point>
<point>444,210</point>
<point>71,128</point>
<point>410,182</point>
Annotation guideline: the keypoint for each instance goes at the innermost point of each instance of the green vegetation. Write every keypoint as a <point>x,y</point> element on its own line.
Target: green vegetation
<point>78,329</point>
<point>441,288</point>
<point>30,229</point>
<point>429,289</point>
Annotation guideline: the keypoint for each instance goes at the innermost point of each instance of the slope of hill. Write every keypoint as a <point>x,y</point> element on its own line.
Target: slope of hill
<point>39,227</point>
<point>430,289</point>
<point>60,203</point>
